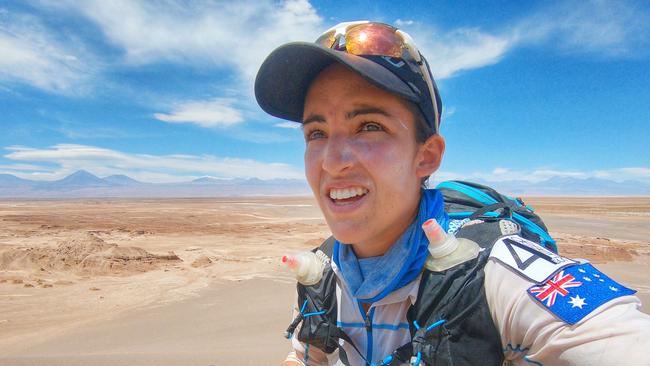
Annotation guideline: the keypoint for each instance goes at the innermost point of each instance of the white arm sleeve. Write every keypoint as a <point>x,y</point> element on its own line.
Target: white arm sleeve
<point>616,333</point>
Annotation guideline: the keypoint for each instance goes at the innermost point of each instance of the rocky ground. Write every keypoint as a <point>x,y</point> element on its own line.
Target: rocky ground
<point>69,270</point>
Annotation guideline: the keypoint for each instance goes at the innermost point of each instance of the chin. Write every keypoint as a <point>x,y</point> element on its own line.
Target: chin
<point>346,233</point>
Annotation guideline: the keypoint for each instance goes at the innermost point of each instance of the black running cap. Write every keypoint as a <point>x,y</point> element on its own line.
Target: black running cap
<point>285,76</point>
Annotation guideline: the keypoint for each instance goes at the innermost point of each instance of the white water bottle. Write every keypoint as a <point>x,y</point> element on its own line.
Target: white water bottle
<point>307,266</point>
<point>445,250</point>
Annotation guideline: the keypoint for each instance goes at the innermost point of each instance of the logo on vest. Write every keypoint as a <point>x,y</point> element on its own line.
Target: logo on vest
<point>555,286</point>
<point>529,259</point>
<point>573,293</point>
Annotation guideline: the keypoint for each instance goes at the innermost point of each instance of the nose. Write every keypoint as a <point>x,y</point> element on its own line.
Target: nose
<point>338,155</point>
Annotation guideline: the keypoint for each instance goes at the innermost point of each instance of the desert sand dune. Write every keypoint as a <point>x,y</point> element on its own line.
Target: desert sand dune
<point>199,281</point>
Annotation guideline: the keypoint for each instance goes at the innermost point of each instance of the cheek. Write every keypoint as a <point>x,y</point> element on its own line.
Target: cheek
<point>388,161</point>
<point>312,165</point>
<point>393,172</point>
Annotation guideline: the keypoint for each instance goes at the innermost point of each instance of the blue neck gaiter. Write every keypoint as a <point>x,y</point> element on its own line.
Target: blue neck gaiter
<point>372,279</point>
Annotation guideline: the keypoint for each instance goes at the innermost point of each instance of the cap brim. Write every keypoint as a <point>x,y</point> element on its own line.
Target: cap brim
<point>285,76</point>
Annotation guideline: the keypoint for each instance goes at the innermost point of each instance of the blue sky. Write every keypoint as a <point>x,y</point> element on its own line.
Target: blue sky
<point>163,90</point>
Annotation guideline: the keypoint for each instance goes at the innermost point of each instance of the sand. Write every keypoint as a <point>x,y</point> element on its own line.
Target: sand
<point>199,281</point>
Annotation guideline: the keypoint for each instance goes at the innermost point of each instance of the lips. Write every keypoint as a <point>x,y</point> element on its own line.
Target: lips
<point>345,198</point>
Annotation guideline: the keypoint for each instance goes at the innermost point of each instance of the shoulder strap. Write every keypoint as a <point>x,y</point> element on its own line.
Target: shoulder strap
<point>450,317</point>
<point>318,317</point>
<point>319,306</point>
<point>327,247</point>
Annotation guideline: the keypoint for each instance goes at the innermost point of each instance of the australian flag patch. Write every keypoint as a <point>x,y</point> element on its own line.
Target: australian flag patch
<point>575,291</point>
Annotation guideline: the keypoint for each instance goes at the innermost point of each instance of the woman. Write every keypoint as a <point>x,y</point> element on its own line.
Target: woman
<point>370,112</point>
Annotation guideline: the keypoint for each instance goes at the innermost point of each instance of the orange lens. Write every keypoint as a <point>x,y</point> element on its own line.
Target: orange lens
<point>373,39</point>
<point>327,39</point>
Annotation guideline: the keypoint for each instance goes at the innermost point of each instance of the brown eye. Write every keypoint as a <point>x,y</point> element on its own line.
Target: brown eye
<point>371,126</point>
<point>315,134</point>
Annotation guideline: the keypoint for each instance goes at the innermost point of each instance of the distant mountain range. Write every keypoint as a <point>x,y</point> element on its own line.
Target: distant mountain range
<point>83,184</point>
<point>564,186</point>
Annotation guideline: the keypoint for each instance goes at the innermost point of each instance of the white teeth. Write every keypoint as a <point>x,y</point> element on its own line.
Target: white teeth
<point>341,194</point>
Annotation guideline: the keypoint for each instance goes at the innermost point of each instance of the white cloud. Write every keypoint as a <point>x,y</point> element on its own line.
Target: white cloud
<point>37,56</point>
<point>461,49</point>
<point>637,171</point>
<point>404,22</point>
<point>464,49</point>
<point>213,113</point>
<point>609,28</point>
<point>500,174</point>
<point>68,158</point>
<point>447,112</point>
<point>235,34</point>
<point>232,35</point>
<point>240,34</point>
<point>23,167</point>
<point>500,171</point>
<point>632,173</point>
<point>287,124</point>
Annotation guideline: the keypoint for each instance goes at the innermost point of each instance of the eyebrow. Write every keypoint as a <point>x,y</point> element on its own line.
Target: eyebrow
<point>354,113</point>
<point>367,110</point>
<point>313,118</point>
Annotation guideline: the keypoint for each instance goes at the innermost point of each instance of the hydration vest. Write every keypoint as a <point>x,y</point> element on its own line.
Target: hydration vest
<point>450,322</point>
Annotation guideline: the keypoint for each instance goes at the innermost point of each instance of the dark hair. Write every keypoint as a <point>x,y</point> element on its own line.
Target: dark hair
<point>422,130</point>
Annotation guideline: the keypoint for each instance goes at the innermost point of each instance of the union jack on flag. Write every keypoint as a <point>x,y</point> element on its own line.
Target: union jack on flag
<point>575,291</point>
<point>557,285</point>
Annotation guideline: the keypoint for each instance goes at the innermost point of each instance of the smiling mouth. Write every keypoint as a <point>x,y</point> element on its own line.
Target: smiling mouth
<point>347,195</point>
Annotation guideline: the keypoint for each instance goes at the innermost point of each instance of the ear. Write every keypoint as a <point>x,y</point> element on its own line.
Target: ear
<point>430,156</point>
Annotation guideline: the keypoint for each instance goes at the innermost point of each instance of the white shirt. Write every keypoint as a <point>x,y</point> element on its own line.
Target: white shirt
<point>616,333</point>
<point>390,328</point>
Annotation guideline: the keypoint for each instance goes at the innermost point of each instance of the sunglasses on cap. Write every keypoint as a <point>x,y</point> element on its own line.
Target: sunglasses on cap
<point>378,39</point>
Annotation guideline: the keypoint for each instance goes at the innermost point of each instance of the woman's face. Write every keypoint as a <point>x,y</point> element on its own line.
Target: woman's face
<point>362,161</point>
